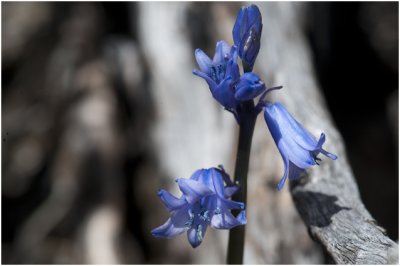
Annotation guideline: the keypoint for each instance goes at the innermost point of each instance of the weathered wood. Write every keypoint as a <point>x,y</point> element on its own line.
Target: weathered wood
<point>327,198</point>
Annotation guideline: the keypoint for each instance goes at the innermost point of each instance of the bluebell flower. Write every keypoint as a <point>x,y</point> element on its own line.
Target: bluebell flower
<point>205,202</point>
<point>299,149</point>
<point>247,33</point>
<point>221,73</point>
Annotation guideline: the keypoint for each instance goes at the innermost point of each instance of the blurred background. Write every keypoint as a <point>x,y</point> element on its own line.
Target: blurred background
<point>100,110</point>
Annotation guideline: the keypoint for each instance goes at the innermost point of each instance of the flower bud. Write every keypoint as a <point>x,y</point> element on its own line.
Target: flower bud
<point>249,87</point>
<point>247,34</point>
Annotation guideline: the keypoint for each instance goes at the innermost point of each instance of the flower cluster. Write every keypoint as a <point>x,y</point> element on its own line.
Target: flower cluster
<point>222,74</point>
<point>204,202</point>
<point>205,199</point>
<point>298,148</point>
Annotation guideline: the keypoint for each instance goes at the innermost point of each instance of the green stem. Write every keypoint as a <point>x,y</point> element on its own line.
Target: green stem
<point>247,123</point>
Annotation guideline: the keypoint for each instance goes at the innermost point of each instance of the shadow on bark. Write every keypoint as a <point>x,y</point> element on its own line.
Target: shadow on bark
<point>323,207</point>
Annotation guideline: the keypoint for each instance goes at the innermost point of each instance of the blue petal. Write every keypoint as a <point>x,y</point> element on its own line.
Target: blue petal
<point>249,87</point>
<point>294,171</point>
<point>192,238</point>
<point>211,203</point>
<point>246,18</point>
<point>205,178</point>
<point>175,225</point>
<point>293,128</point>
<point>233,54</point>
<point>225,220</point>
<point>242,217</point>
<point>222,50</point>
<point>170,201</point>
<point>250,46</point>
<point>225,175</point>
<point>231,190</point>
<point>203,61</point>
<point>232,68</point>
<point>285,137</point>
<point>328,154</point>
<point>181,216</point>
<point>196,234</point>
<point>321,141</point>
<point>217,182</point>
<point>196,175</point>
<point>224,93</point>
<point>211,83</point>
<point>167,230</point>
<point>295,153</point>
<point>238,29</point>
<point>285,174</point>
<point>230,204</point>
<point>301,136</point>
<point>193,190</point>
<point>247,33</point>
<point>254,17</point>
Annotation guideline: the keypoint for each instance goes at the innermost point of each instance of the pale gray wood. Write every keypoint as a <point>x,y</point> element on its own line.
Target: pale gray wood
<point>327,198</point>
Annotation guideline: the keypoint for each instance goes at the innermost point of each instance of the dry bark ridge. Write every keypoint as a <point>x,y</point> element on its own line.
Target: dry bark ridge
<point>327,199</point>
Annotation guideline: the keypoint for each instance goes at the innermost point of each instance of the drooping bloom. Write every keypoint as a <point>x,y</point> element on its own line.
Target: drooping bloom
<point>299,149</point>
<point>247,34</point>
<point>205,202</point>
<point>222,75</point>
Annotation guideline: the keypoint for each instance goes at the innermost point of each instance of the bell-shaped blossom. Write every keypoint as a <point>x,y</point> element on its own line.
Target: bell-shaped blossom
<point>299,149</point>
<point>205,202</point>
<point>221,73</point>
<point>247,33</point>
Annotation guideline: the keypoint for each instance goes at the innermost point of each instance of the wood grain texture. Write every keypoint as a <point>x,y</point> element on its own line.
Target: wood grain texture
<point>327,198</point>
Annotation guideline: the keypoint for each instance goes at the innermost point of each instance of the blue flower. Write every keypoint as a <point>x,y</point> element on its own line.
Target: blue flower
<point>247,33</point>
<point>221,73</point>
<point>299,149</point>
<point>204,203</point>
